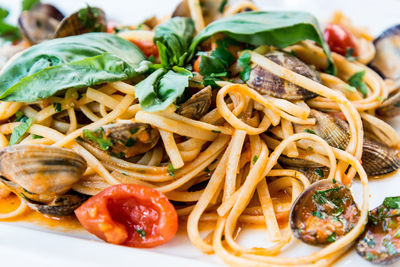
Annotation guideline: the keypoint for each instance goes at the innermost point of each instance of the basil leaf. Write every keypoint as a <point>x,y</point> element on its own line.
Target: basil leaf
<point>392,202</point>
<point>19,131</point>
<point>210,65</point>
<point>356,80</point>
<point>244,62</point>
<point>277,28</point>
<point>29,4</point>
<point>162,88</point>
<point>173,39</point>
<point>71,62</point>
<point>7,32</point>
<point>218,62</point>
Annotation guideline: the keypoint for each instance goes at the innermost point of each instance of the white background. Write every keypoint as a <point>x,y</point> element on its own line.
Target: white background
<point>20,245</point>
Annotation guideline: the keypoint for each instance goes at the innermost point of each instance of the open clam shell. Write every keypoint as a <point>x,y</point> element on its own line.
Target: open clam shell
<point>324,212</point>
<point>197,105</point>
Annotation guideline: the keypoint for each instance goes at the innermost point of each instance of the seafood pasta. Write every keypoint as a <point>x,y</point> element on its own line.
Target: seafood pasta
<point>218,114</point>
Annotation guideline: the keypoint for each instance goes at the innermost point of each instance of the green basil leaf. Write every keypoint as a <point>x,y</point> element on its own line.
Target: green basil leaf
<point>8,32</point>
<point>244,62</point>
<point>3,13</point>
<point>356,80</point>
<point>19,131</point>
<point>161,88</point>
<point>210,65</point>
<point>392,202</point>
<point>173,39</point>
<point>71,62</point>
<point>29,4</point>
<point>277,28</point>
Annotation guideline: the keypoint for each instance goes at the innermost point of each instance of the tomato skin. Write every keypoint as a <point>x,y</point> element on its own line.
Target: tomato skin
<point>131,215</point>
<point>339,39</point>
<point>147,47</point>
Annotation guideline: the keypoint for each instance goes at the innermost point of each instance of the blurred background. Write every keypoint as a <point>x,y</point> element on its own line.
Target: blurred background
<point>134,11</point>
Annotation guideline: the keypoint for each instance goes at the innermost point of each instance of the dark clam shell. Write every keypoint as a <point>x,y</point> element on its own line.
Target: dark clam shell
<point>89,19</point>
<point>387,57</point>
<point>313,174</point>
<point>197,105</point>
<point>391,106</point>
<point>126,139</point>
<point>63,205</point>
<point>379,159</point>
<point>40,23</point>
<point>324,212</point>
<point>379,243</point>
<point>267,83</point>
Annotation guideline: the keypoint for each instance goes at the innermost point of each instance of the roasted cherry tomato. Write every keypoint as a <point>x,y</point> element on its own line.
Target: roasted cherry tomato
<point>148,47</point>
<point>340,40</point>
<point>130,215</point>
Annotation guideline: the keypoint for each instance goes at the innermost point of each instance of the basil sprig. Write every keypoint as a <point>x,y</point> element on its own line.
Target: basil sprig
<point>71,62</point>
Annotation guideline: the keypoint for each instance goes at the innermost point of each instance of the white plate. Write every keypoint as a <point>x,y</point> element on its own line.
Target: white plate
<point>22,244</point>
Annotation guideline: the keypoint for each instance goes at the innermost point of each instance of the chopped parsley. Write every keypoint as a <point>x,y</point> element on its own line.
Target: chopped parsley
<point>171,170</point>
<point>57,106</point>
<point>244,62</point>
<point>255,158</point>
<point>215,131</point>
<point>356,80</point>
<point>130,142</point>
<point>88,17</point>
<point>331,238</point>
<point>19,116</point>
<point>141,232</point>
<point>334,180</point>
<point>207,170</point>
<point>370,256</point>
<point>20,130</point>
<point>319,172</point>
<point>350,53</point>
<point>35,136</point>
<point>317,214</point>
<point>309,131</point>
<point>222,6</point>
<point>98,136</point>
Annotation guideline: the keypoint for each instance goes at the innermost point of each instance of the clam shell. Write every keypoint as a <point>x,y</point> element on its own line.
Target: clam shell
<point>334,131</point>
<point>76,25</point>
<point>313,222</point>
<point>61,206</point>
<point>267,83</point>
<point>390,107</point>
<point>378,159</point>
<point>128,138</point>
<point>41,169</point>
<point>197,105</point>
<point>297,162</point>
<point>313,174</point>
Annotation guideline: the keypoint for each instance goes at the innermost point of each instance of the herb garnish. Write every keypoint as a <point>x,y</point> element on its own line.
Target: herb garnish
<point>317,214</point>
<point>356,80</point>
<point>392,202</point>
<point>331,238</point>
<point>244,62</point>
<point>35,136</point>
<point>215,131</point>
<point>309,131</point>
<point>350,53</point>
<point>319,172</point>
<point>171,170</point>
<point>141,232</point>
<point>255,158</point>
<point>8,32</point>
<point>20,130</point>
<point>99,137</point>
<point>29,4</point>
<point>57,106</point>
<point>222,6</point>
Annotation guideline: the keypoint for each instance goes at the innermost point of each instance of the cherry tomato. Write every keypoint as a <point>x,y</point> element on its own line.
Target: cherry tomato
<point>148,47</point>
<point>130,215</point>
<point>196,64</point>
<point>340,40</point>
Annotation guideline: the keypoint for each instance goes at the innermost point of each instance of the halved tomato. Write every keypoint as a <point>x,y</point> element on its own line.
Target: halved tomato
<point>130,215</point>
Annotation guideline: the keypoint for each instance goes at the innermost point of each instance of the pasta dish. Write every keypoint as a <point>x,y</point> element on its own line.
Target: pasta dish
<point>216,117</point>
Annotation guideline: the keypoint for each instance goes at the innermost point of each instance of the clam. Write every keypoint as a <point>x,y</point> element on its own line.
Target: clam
<point>42,175</point>
<point>391,106</point>
<point>123,140</point>
<point>298,162</point>
<point>380,242</point>
<point>89,19</point>
<point>387,57</point>
<point>267,83</point>
<point>197,105</point>
<point>377,158</point>
<point>40,23</point>
<point>333,130</point>
<point>324,212</point>
<point>40,169</point>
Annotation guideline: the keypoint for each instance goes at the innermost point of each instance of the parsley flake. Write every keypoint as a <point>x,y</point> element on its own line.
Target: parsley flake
<point>141,232</point>
<point>255,158</point>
